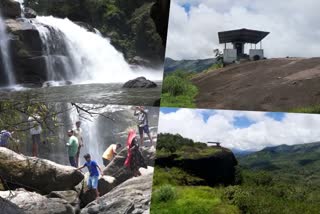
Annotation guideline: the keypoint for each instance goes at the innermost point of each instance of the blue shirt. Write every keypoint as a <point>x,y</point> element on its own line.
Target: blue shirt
<point>92,168</point>
<point>4,137</point>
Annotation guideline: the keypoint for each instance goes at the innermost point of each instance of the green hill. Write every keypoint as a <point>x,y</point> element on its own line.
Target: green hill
<point>191,66</point>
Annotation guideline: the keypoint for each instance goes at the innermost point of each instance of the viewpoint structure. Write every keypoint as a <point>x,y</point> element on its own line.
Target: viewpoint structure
<point>238,39</point>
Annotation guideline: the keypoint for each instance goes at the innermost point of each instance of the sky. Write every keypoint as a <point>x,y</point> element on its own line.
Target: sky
<point>194,25</point>
<point>241,130</point>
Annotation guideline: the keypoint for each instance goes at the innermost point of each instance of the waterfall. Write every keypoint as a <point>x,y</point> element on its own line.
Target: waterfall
<point>5,53</point>
<point>92,57</point>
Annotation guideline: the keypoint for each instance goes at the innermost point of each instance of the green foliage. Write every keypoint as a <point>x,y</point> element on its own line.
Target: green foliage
<point>178,91</point>
<point>187,198</point>
<point>169,144</point>
<point>175,176</point>
<point>164,193</point>
<point>311,109</point>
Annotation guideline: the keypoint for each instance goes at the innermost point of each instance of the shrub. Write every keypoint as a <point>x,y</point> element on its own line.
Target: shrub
<point>164,194</point>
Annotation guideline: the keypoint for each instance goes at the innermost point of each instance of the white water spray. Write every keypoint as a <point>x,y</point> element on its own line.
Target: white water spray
<point>5,52</point>
<point>94,58</point>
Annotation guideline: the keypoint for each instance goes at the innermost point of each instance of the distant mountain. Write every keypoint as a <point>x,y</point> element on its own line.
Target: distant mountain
<point>240,153</point>
<point>284,157</point>
<point>199,65</point>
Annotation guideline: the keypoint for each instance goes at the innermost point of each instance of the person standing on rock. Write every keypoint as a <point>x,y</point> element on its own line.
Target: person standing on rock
<point>94,173</point>
<point>110,153</point>
<point>35,131</point>
<point>143,123</point>
<point>77,131</point>
<point>72,145</point>
<point>134,160</point>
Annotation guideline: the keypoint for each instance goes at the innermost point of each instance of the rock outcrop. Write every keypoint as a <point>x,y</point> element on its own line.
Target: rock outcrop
<point>217,168</point>
<point>132,196</point>
<point>140,82</point>
<point>10,8</point>
<point>8,207</point>
<point>31,202</point>
<point>37,174</point>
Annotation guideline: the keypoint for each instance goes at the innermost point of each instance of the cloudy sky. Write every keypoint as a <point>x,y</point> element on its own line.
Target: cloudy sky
<point>294,26</point>
<point>242,130</point>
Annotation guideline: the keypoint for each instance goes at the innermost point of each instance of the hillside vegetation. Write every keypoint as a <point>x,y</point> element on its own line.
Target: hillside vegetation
<point>282,179</point>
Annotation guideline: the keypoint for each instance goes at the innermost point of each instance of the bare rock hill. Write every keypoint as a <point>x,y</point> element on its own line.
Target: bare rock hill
<point>280,84</point>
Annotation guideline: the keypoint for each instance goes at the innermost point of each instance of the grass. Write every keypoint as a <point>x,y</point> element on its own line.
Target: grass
<point>173,192</point>
<point>193,200</point>
<point>178,91</point>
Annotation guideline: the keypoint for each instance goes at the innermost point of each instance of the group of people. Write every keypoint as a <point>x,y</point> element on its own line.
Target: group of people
<point>134,160</point>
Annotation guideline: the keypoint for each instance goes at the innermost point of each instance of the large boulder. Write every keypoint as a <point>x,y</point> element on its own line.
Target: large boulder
<point>69,196</point>
<point>31,202</point>
<point>37,174</point>
<point>117,169</point>
<point>10,8</point>
<point>8,207</point>
<point>132,196</point>
<point>140,82</point>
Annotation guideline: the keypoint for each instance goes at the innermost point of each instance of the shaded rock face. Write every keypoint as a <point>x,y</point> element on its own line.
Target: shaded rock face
<point>160,15</point>
<point>10,8</point>
<point>21,170</point>
<point>34,60</point>
<point>132,196</point>
<point>140,82</point>
<point>69,196</point>
<point>216,169</point>
<point>8,207</point>
<point>31,203</point>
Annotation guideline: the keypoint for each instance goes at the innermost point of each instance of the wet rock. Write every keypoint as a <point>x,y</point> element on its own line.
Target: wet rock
<point>8,207</point>
<point>40,175</point>
<point>140,82</point>
<point>132,196</point>
<point>31,202</point>
<point>87,26</point>
<point>10,8</point>
<point>29,13</point>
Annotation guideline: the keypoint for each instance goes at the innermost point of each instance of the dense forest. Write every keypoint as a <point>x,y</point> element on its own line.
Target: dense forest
<point>282,179</point>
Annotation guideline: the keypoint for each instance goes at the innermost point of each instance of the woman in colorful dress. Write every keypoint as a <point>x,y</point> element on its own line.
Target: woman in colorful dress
<point>134,159</point>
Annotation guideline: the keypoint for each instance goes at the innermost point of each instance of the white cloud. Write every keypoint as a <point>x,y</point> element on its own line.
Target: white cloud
<point>294,26</point>
<point>219,126</point>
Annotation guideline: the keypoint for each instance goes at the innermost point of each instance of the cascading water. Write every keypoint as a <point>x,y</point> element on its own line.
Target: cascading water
<point>5,53</point>
<point>93,58</point>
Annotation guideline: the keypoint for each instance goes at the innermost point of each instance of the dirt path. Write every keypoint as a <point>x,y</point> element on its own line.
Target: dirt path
<point>269,85</point>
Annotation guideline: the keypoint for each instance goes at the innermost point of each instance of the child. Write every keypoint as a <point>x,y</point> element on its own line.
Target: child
<point>94,174</point>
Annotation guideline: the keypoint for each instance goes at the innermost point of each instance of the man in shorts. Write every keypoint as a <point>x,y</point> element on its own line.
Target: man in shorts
<point>72,145</point>
<point>94,173</point>
<point>77,131</point>
<point>110,153</point>
<point>143,125</point>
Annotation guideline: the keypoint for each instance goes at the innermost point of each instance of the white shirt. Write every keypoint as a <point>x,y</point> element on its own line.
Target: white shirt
<point>77,132</point>
<point>35,125</point>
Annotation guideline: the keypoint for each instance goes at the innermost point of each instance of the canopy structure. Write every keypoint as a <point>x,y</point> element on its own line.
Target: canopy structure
<point>242,35</point>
